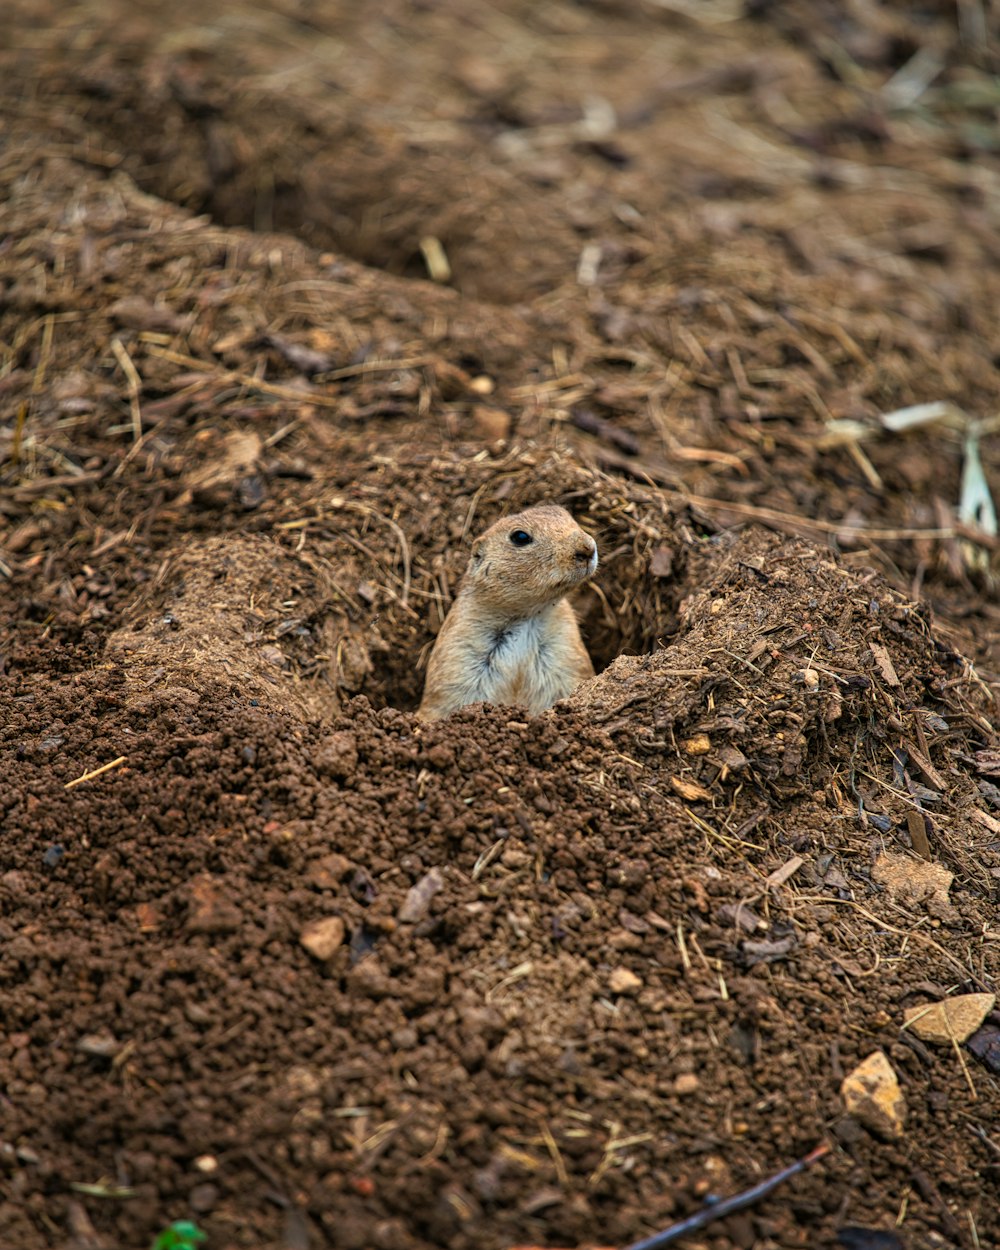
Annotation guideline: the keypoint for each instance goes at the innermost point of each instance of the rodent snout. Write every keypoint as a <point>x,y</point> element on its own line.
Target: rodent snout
<point>586,554</point>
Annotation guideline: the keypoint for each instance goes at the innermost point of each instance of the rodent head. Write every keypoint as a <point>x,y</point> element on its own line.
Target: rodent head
<point>524,563</point>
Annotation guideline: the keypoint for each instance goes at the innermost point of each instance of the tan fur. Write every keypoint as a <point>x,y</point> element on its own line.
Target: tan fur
<point>511,637</point>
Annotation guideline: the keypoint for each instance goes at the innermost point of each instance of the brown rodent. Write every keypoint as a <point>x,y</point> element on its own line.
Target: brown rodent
<point>511,637</point>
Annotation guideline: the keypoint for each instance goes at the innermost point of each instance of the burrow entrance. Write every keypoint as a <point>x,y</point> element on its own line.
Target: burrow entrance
<point>346,599</point>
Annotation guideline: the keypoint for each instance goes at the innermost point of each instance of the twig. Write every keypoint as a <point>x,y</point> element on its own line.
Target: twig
<point>42,485</point>
<point>727,1206</point>
<point>771,515</point>
<point>134,386</point>
<point>104,768</point>
<point>24,411</point>
<point>289,392</point>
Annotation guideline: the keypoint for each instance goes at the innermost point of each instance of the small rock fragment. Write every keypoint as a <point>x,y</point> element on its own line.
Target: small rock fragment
<point>731,759</point>
<point>623,981</point>
<point>515,857</point>
<point>418,897</point>
<point>203,1198</point>
<point>251,491</point>
<point>148,917</point>
<point>207,1164</point>
<point>328,871</point>
<point>210,911</point>
<point>914,882</point>
<point>492,424</point>
<point>872,1095</point>
<point>306,359</point>
<point>697,744</point>
<point>99,1045</point>
<point>740,915</point>
<point>952,1020</point>
<point>686,1083</point>
<point>661,562</point>
<point>630,873</point>
<point>369,978</point>
<point>323,938</point>
<point>884,663</point>
<point>136,313</point>
<point>14,881</point>
<point>767,950</point>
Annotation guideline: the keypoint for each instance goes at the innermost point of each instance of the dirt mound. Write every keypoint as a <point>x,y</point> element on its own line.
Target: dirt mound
<point>344,596</point>
<point>561,989</point>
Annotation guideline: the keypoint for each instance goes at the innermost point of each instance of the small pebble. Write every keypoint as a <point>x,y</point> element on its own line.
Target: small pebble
<point>99,1045</point>
<point>623,981</point>
<point>872,1096</point>
<point>951,1020</point>
<point>419,897</point>
<point>323,938</point>
<point>686,1083</point>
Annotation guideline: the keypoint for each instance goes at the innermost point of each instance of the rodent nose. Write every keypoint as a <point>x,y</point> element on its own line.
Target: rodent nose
<point>586,553</point>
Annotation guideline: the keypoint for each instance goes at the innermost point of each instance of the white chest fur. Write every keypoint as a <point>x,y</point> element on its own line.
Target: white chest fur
<point>519,664</point>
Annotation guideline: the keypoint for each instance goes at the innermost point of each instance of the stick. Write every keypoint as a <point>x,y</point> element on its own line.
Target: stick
<point>289,392</point>
<point>775,517</point>
<point>728,1205</point>
<point>104,768</point>
<point>134,386</point>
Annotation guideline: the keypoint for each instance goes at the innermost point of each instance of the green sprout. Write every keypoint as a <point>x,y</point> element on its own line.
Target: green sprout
<point>181,1235</point>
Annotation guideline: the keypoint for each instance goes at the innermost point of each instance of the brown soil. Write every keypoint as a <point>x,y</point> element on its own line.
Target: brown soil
<point>585,971</point>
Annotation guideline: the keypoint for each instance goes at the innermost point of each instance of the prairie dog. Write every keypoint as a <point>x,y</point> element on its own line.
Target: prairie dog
<point>510,636</point>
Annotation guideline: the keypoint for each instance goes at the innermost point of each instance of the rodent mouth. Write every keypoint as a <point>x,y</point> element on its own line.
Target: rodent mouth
<point>580,574</point>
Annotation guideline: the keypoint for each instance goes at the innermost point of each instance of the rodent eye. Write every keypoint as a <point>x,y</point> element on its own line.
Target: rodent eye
<point>521,538</point>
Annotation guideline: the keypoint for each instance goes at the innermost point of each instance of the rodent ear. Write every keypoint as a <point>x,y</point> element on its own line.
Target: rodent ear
<point>477,549</point>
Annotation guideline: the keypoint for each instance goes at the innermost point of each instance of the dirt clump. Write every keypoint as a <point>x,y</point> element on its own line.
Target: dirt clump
<point>566,996</point>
